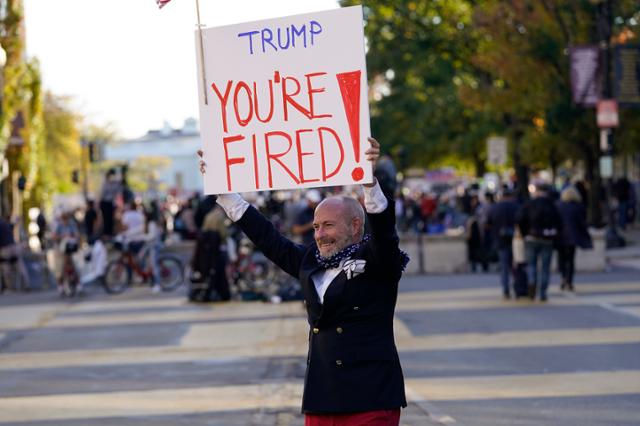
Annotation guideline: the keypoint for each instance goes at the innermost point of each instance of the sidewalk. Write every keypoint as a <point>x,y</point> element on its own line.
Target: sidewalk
<point>629,255</point>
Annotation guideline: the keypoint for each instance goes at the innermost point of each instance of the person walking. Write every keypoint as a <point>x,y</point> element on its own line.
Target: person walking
<point>501,222</point>
<point>574,233</point>
<point>91,220</point>
<point>350,286</point>
<point>622,192</point>
<point>476,250</point>
<point>111,188</point>
<point>540,224</point>
<point>210,258</point>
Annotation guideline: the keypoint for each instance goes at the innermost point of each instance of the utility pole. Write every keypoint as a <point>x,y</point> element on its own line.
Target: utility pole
<point>604,14</point>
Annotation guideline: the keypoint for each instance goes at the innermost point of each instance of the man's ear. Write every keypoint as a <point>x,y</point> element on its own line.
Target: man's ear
<point>356,225</point>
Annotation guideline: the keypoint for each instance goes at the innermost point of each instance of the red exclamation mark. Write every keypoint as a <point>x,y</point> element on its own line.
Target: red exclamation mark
<point>349,83</point>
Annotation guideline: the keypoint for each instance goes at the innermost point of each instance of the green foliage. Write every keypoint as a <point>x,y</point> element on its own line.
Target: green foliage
<point>419,53</point>
<point>62,153</point>
<point>21,96</point>
<point>446,74</point>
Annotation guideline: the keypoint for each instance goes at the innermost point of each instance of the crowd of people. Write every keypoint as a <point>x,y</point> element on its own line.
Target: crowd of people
<point>497,225</point>
<point>551,220</point>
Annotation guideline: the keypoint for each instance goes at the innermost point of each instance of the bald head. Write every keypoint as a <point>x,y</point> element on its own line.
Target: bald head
<point>338,222</point>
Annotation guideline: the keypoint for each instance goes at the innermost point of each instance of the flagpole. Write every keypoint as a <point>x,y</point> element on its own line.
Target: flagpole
<point>202,73</point>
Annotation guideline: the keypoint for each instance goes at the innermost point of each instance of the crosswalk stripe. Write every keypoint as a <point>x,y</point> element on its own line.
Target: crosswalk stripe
<point>28,316</point>
<point>154,402</point>
<point>496,303</point>
<point>230,313</point>
<point>116,303</point>
<point>287,337</point>
<point>528,386</point>
<point>519,339</point>
<point>288,394</point>
<point>475,293</point>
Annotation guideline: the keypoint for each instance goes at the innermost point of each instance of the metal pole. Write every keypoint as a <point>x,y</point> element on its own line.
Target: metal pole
<point>202,69</point>
<point>605,30</point>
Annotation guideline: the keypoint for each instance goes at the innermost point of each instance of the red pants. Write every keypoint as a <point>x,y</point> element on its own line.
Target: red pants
<point>367,418</point>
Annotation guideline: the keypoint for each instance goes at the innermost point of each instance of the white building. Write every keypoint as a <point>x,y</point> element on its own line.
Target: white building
<point>179,146</point>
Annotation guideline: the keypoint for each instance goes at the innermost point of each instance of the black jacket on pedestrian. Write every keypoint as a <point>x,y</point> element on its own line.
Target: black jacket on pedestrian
<point>352,362</point>
<point>502,222</point>
<point>574,224</point>
<point>539,218</point>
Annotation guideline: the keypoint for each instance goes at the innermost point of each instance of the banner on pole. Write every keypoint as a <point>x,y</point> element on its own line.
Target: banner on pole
<point>288,103</point>
<point>627,75</point>
<point>585,74</point>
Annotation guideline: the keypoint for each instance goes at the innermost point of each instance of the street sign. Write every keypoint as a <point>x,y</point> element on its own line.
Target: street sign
<point>497,151</point>
<point>606,166</point>
<point>585,74</point>
<point>627,75</point>
<point>607,114</point>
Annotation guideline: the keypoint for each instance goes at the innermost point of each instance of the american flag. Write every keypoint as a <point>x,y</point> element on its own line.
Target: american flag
<point>161,3</point>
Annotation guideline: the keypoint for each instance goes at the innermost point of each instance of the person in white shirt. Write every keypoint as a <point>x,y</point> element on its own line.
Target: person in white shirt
<point>132,223</point>
<point>97,264</point>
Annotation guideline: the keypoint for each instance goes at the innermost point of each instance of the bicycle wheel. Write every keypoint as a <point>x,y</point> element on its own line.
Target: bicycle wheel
<point>171,271</point>
<point>117,277</point>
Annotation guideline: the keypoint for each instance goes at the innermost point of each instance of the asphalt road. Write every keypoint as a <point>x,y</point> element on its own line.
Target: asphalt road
<point>469,357</point>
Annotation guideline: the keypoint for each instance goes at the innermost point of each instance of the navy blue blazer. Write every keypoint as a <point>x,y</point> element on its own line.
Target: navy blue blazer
<point>352,362</point>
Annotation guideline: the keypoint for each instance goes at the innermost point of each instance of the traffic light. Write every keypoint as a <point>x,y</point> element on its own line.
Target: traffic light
<point>75,176</point>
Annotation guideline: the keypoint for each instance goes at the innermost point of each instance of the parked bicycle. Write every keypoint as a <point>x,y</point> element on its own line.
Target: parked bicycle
<point>253,276</point>
<point>137,261</point>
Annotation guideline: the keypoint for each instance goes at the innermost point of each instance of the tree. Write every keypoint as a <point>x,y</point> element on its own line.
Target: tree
<point>445,75</point>
<point>418,54</point>
<point>62,149</point>
<point>21,120</point>
<point>523,49</point>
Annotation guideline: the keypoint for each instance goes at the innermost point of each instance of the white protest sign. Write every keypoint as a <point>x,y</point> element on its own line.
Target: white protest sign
<point>287,103</point>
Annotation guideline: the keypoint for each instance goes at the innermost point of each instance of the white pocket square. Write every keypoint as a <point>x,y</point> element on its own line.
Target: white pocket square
<point>353,267</point>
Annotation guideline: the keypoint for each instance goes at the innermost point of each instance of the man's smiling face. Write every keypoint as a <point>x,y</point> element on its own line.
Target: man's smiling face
<point>334,228</point>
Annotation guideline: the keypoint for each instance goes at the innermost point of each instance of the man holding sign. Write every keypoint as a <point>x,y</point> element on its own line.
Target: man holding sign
<point>350,285</point>
<point>284,105</point>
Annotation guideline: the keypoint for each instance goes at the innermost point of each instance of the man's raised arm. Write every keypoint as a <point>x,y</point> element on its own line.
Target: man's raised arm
<point>381,216</point>
<point>280,250</point>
